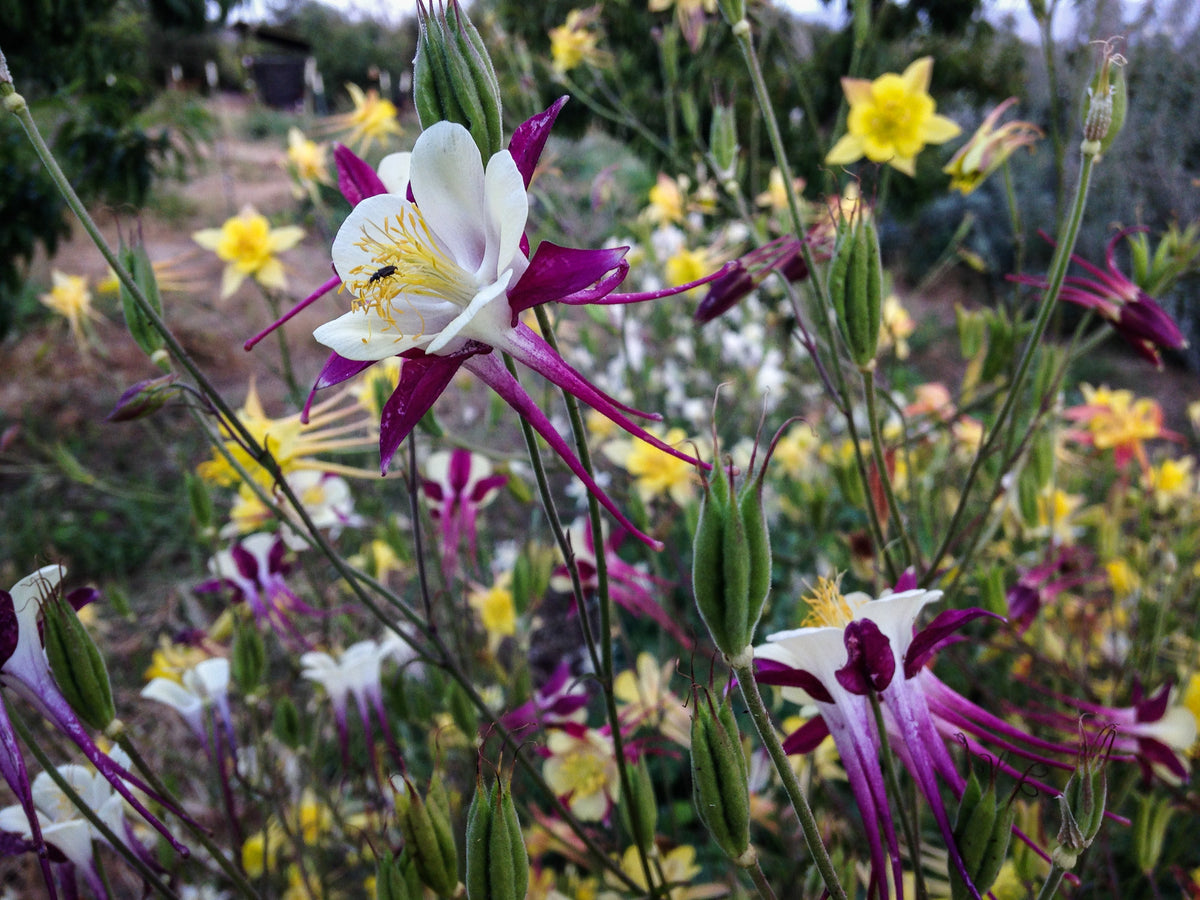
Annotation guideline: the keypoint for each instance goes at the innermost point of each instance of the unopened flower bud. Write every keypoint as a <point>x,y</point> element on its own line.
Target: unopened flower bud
<point>497,863</point>
<point>856,287</point>
<point>720,776</point>
<point>982,831</point>
<point>1105,103</point>
<point>75,660</point>
<point>1083,800</point>
<point>453,77</point>
<point>1150,829</point>
<point>425,824</point>
<point>144,398</point>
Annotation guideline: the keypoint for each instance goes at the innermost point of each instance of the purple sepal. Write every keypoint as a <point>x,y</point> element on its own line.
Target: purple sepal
<point>303,304</point>
<point>529,139</point>
<point>422,380</point>
<point>568,275</point>
<point>937,633</point>
<point>491,372</point>
<point>725,292</point>
<point>336,370</point>
<point>356,179</point>
<point>870,663</point>
<point>10,627</point>
<point>807,737</point>
<point>768,671</point>
<point>12,765</point>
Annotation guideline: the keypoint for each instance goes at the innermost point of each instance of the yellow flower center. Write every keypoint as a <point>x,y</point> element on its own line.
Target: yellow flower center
<point>585,772</point>
<point>827,606</point>
<point>405,259</point>
<point>246,242</point>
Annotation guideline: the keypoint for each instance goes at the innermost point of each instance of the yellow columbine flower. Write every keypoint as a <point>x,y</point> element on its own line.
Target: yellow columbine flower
<point>1123,579</point>
<point>891,119</point>
<point>306,161</point>
<point>898,326</point>
<point>775,197</point>
<point>496,607</point>
<point>646,699</point>
<point>573,43</point>
<point>295,444</point>
<point>372,119</point>
<point>686,266</point>
<point>248,244</point>
<point>583,770</point>
<point>1170,482</point>
<point>71,299</point>
<point>655,473</point>
<point>988,149</point>
<point>171,660</point>
<point>666,201</point>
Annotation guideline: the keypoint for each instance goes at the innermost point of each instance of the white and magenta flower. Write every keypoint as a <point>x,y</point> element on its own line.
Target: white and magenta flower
<point>435,258</point>
<point>457,484</point>
<point>201,692</point>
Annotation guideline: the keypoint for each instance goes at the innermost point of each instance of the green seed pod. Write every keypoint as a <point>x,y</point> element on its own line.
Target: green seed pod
<point>425,824</point>
<point>1105,102</point>
<point>639,808</point>
<point>453,77</point>
<point>201,503</point>
<point>497,863</point>
<point>1150,829</point>
<point>76,663</point>
<point>709,565</point>
<point>690,114</point>
<point>758,548</point>
<point>248,661</point>
<point>285,723</point>
<point>722,140</point>
<point>734,11</point>
<point>982,832</point>
<point>720,775</point>
<point>396,878</point>
<point>856,287</point>
<point>972,331</point>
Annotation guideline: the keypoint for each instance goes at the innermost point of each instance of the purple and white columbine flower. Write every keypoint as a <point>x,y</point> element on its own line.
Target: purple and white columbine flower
<point>436,259</point>
<point>254,569</point>
<point>25,671</point>
<point>456,485</point>
<point>202,693</point>
<point>1134,314</point>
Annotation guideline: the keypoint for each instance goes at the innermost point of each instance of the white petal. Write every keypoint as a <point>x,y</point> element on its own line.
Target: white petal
<point>368,216</point>
<point>174,695</point>
<point>367,336</point>
<point>508,207</point>
<point>895,615</point>
<point>393,172</point>
<point>212,675</point>
<point>821,651</point>
<point>27,595</point>
<point>448,185</point>
<point>487,318</point>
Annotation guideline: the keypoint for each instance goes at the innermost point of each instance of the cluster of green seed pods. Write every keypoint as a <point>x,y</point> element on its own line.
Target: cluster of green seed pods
<point>497,863</point>
<point>76,663</point>
<point>982,831</point>
<point>428,837</point>
<point>720,776</point>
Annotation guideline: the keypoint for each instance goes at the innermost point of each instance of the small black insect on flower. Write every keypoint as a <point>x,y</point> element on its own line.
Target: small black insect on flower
<point>385,272</point>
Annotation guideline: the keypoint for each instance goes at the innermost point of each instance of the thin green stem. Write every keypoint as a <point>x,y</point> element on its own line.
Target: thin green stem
<point>744,671</point>
<point>759,878</point>
<point>1058,272</point>
<point>1053,880</point>
<point>295,393</point>
<point>876,426</point>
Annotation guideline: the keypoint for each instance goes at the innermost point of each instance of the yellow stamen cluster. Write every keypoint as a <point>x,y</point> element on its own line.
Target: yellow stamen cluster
<point>827,606</point>
<point>405,259</point>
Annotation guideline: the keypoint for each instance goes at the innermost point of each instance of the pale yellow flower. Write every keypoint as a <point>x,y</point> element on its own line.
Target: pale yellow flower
<point>685,265</point>
<point>988,149</point>
<point>775,197</point>
<point>1170,482</point>
<point>496,607</point>
<point>247,244</point>
<point>307,162</point>
<point>1121,577</point>
<point>691,16</point>
<point>667,201</point>
<point>897,326</point>
<point>372,119</point>
<point>574,43</point>
<point>891,119</point>
<point>656,474</point>
<point>646,699</point>
<point>583,770</point>
<point>70,298</point>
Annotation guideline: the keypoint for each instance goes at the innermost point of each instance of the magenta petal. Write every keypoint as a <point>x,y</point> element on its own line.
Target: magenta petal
<point>492,372</point>
<point>10,627</point>
<point>303,304</point>
<point>529,139</point>
<point>422,380</point>
<point>336,370</point>
<point>357,180</point>
<point>807,737</point>
<point>936,633</point>
<point>768,671</point>
<point>870,662</point>
<point>558,273</point>
<point>12,766</point>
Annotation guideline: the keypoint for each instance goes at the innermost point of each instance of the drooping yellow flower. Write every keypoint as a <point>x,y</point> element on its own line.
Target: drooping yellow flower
<point>574,43</point>
<point>691,16</point>
<point>686,266</point>
<point>1171,481</point>
<point>372,119</point>
<point>70,298</point>
<point>891,119</point>
<point>333,425</point>
<point>897,326</point>
<point>307,162</point>
<point>656,474</point>
<point>667,199</point>
<point>248,244</point>
<point>988,149</point>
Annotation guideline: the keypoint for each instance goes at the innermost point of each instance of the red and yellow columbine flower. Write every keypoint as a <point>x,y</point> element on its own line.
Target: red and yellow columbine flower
<point>372,119</point>
<point>247,244</point>
<point>1116,421</point>
<point>988,149</point>
<point>891,119</point>
<point>71,299</point>
<point>573,43</point>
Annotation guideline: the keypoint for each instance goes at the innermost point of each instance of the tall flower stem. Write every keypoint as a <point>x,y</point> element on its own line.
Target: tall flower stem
<point>877,451</point>
<point>1058,272</point>
<point>743,670</point>
<point>1053,880</point>
<point>759,877</point>
<point>579,432</point>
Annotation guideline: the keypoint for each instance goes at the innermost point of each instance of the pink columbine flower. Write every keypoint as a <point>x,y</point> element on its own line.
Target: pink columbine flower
<point>457,484</point>
<point>1134,314</point>
<point>253,569</point>
<point>25,671</point>
<point>437,263</point>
